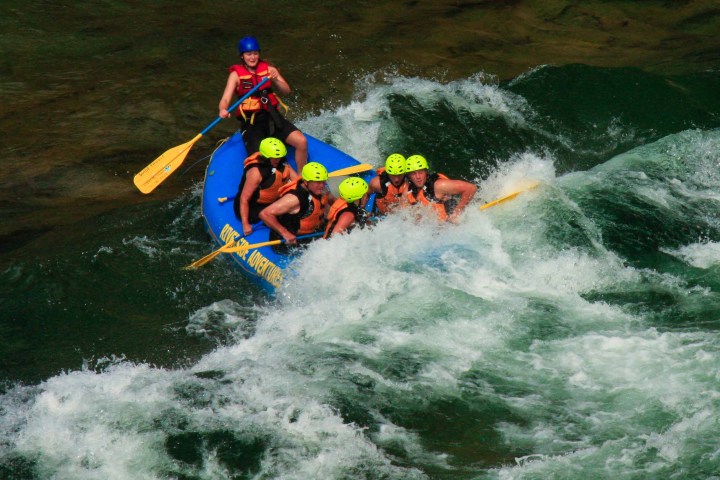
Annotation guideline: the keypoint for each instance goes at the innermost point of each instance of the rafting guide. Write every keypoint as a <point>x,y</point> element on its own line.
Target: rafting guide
<point>258,114</point>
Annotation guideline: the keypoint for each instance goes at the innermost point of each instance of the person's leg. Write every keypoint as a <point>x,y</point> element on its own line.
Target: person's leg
<point>297,140</point>
<point>252,136</point>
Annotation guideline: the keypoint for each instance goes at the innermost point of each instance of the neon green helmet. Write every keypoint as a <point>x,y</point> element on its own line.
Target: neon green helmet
<point>314,172</point>
<point>414,163</point>
<point>395,164</point>
<point>272,148</point>
<point>352,189</point>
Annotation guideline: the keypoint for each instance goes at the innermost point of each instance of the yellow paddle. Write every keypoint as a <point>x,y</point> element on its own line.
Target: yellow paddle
<point>229,248</point>
<point>211,256</point>
<point>508,197</point>
<point>161,168</point>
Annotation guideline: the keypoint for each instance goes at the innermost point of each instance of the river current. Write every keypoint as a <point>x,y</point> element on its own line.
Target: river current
<point>571,332</point>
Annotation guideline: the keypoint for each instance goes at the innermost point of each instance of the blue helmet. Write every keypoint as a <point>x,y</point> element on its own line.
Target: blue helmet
<point>248,44</point>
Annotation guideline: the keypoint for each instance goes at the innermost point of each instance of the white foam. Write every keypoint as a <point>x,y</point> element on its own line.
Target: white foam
<point>700,255</point>
<point>83,425</point>
<point>221,319</point>
<point>145,244</point>
<point>356,128</point>
<point>405,317</point>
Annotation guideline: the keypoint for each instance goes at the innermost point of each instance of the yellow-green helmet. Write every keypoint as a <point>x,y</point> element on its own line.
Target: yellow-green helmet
<point>395,164</point>
<point>414,163</point>
<point>314,172</point>
<point>352,189</point>
<point>272,148</point>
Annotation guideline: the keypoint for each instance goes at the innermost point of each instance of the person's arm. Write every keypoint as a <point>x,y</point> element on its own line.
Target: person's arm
<point>344,222</point>
<point>227,96</point>
<point>330,200</point>
<point>279,83</point>
<point>293,174</point>
<point>374,185</point>
<point>403,198</point>
<point>252,183</point>
<point>465,190</point>
<point>269,215</point>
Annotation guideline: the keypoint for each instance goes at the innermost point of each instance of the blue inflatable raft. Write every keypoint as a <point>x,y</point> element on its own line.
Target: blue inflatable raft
<point>262,265</point>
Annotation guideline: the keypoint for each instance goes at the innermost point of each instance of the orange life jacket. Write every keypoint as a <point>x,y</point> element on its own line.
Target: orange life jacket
<point>391,194</point>
<point>273,178</point>
<point>338,208</point>
<point>246,82</point>
<point>312,209</point>
<point>425,195</point>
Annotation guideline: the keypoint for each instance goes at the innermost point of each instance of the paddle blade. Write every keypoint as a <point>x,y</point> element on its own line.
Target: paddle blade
<point>362,167</point>
<point>208,258</point>
<point>163,166</point>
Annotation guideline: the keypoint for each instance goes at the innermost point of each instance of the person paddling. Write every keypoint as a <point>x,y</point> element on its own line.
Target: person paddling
<point>300,210</point>
<point>259,115</point>
<point>390,185</point>
<point>348,210</point>
<point>436,190</point>
<point>266,171</point>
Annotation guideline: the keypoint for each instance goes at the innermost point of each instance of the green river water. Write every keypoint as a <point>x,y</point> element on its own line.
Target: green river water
<point>569,333</point>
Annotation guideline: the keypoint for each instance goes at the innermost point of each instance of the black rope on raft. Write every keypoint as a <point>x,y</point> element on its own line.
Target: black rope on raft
<point>191,166</point>
<point>217,145</point>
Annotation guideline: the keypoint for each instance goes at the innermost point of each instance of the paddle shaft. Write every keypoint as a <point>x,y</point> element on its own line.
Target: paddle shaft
<point>241,248</point>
